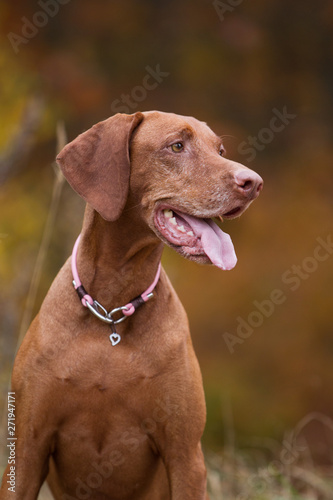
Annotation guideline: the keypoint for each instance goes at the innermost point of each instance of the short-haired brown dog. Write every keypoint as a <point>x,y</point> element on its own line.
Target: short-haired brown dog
<point>110,403</point>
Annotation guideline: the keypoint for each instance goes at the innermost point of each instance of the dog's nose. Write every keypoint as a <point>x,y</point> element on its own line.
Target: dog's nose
<point>248,183</point>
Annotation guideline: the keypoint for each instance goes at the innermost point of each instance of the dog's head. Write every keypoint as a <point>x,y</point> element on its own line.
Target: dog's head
<point>171,169</point>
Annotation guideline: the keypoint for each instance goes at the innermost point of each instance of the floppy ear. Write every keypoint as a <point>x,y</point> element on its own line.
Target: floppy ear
<point>97,164</point>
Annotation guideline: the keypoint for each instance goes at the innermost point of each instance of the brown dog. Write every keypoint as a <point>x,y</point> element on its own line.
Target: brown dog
<point>115,410</point>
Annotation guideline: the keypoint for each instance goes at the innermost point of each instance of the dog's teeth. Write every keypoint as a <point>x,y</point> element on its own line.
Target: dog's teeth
<point>190,233</point>
<point>168,213</point>
<point>182,229</point>
<point>173,221</point>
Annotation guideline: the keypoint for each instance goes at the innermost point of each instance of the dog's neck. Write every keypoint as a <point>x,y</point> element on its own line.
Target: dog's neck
<point>117,260</point>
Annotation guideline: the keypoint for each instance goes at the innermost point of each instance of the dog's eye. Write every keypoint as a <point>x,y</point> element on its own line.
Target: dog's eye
<point>222,151</point>
<point>177,147</point>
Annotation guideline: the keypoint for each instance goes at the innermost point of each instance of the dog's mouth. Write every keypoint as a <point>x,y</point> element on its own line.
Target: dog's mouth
<point>196,238</point>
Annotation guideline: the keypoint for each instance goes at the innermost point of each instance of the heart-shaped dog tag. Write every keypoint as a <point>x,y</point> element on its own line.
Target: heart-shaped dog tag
<point>115,338</point>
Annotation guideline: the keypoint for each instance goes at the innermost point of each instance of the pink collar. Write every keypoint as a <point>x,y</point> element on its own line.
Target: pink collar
<point>98,310</point>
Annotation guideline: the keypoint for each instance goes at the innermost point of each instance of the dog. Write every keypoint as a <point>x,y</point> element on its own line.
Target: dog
<point>109,396</point>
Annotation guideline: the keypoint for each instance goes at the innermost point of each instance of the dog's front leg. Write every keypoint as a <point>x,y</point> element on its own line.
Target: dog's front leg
<point>180,448</point>
<point>187,474</point>
<point>29,477</point>
<point>178,438</point>
<point>33,433</point>
<point>28,464</point>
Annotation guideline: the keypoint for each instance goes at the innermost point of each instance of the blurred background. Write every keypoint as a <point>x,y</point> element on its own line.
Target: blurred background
<point>260,74</point>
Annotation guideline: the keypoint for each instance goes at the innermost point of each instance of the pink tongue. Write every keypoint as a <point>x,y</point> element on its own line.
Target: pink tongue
<point>216,244</point>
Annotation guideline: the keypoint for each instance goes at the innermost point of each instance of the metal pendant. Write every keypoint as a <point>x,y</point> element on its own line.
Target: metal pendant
<point>114,337</point>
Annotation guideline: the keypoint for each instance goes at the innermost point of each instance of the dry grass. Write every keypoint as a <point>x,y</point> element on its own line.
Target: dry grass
<point>231,477</point>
